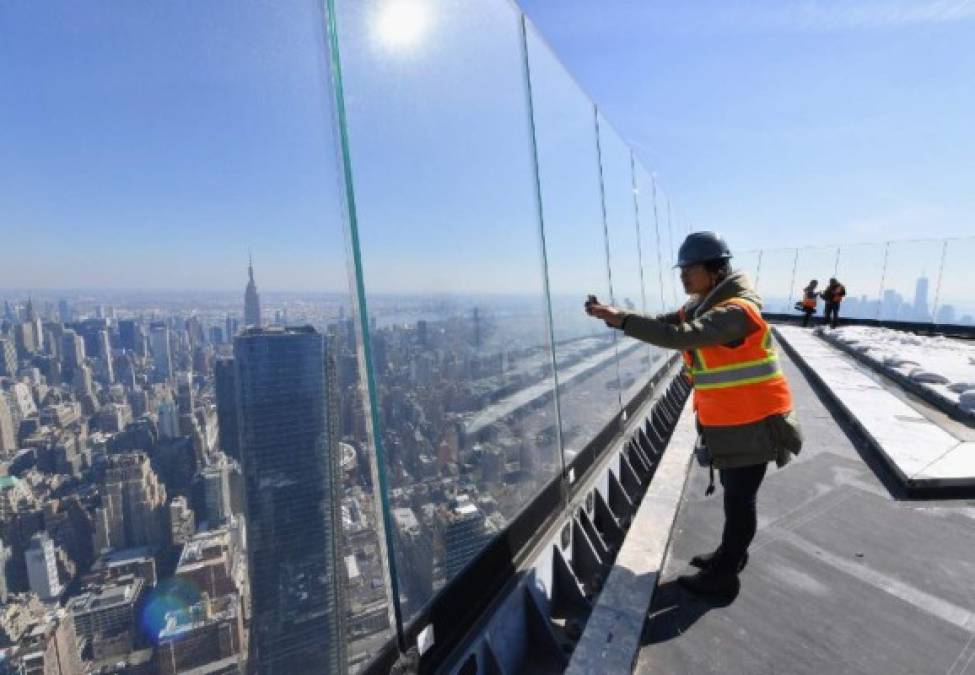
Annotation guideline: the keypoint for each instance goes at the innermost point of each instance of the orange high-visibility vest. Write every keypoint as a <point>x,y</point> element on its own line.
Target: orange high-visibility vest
<point>809,303</point>
<point>742,384</point>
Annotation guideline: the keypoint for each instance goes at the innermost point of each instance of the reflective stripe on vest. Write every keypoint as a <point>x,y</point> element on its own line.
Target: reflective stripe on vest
<point>741,384</point>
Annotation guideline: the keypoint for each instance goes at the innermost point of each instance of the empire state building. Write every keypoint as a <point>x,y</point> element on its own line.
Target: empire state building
<point>252,303</point>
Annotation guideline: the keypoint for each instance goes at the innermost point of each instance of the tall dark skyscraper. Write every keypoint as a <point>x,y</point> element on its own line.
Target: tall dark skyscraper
<point>293,502</point>
<point>252,302</point>
<point>226,390</point>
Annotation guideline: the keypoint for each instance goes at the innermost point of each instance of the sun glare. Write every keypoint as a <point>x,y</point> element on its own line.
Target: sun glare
<point>402,23</point>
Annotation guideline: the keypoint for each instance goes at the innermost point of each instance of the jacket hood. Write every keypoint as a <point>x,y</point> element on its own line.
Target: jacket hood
<point>737,285</point>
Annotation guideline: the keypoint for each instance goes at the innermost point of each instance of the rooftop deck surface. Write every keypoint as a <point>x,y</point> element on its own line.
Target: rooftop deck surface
<point>845,575</point>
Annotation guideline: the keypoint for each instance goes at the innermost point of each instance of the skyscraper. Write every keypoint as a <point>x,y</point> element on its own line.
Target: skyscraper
<point>921,311</point>
<point>8,358</point>
<point>226,390</point>
<point>161,354</point>
<point>72,354</point>
<point>293,502</point>
<point>252,302</point>
<point>42,567</point>
<point>132,511</point>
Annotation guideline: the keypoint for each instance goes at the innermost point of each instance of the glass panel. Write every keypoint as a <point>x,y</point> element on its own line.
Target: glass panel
<point>910,280</point>
<point>179,137</point>
<point>816,263</point>
<point>672,288</point>
<point>624,253</point>
<point>747,262</point>
<point>955,302</point>
<point>447,222</point>
<point>568,167</point>
<point>859,270</point>
<point>650,247</point>
<point>775,279</point>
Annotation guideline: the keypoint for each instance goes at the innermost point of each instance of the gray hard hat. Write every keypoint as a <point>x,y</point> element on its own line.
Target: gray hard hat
<point>701,247</point>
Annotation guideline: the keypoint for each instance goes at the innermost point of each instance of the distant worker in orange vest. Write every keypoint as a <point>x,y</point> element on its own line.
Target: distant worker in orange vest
<point>808,304</point>
<point>741,397</point>
<point>833,295</point>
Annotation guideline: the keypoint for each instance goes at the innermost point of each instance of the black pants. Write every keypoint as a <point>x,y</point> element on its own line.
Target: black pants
<point>740,518</point>
<point>832,309</point>
<point>807,314</point>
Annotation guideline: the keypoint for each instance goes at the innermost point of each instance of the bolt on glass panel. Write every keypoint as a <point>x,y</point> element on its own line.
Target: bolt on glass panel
<point>911,280</point>
<point>568,173</point>
<point>202,331</point>
<point>437,128</point>
<point>624,253</point>
<point>954,301</point>
<point>861,271</point>
<point>776,280</point>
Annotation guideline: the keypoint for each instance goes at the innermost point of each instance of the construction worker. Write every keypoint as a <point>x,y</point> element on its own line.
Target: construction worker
<point>741,398</point>
<point>833,295</point>
<point>808,303</point>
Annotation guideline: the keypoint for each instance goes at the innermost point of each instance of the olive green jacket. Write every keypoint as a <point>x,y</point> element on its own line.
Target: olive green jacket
<point>774,438</point>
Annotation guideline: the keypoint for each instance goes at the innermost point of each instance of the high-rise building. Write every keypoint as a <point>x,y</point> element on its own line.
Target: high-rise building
<point>42,567</point>
<point>231,327</point>
<point>216,492</point>
<point>129,334</point>
<point>132,512</point>
<point>8,357</point>
<point>5,554</point>
<point>182,521</point>
<point>293,502</point>
<point>106,368</point>
<point>162,358</point>
<point>921,311</point>
<point>37,326</point>
<point>226,390</point>
<point>24,339</point>
<point>252,302</point>
<point>8,434</point>
<point>464,535</point>
<point>72,354</point>
<point>65,313</point>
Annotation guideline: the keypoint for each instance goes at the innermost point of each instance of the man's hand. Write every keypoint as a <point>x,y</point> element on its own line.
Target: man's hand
<point>611,315</point>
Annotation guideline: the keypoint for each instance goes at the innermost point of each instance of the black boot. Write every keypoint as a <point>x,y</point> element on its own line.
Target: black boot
<point>704,560</point>
<point>710,581</point>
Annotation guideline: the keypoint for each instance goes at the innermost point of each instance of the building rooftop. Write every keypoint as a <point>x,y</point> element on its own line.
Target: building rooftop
<point>122,591</point>
<point>846,574</point>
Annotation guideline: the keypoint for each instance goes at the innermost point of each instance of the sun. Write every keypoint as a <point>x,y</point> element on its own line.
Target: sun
<point>402,23</point>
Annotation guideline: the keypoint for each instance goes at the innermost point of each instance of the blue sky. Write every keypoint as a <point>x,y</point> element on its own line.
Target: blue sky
<point>152,145</point>
<point>784,123</point>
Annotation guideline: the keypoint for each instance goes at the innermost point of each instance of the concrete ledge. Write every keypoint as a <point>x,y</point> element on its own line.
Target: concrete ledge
<point>921,454</point>
<point>611,640</point>
<point>931,396</point>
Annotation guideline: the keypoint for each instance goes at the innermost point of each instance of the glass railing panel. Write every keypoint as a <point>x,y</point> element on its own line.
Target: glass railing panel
<point>670,241</point>
<point>954,301</point>
<point>568,171</point>
<point>177,142</point>
<point>653,272</point>
<point>624,253</point>
<point>815,263</point>
<point>860,270</point>
<point>776,280</point>
<point>747,262</point>
<point>910,280</point>
<point>438,135</point>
